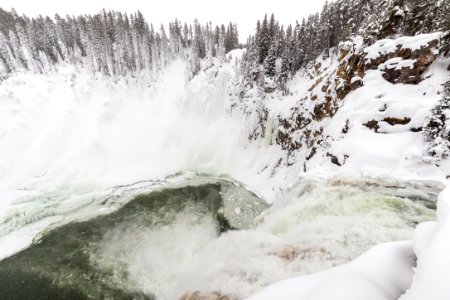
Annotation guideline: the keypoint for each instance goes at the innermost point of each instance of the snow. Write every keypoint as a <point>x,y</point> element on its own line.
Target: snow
<point>393,151</point>
<point>386,46</point>
<point>235,54</point>
<point>431,246</point>
<point>95,133</point>
<point>423,235</point>
<point>67,138</point>
<point>397,63</point>
<point>382,273</point>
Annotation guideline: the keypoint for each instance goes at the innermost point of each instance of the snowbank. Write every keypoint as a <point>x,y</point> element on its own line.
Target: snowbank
<point>432,248</point>
<point>382,273</point>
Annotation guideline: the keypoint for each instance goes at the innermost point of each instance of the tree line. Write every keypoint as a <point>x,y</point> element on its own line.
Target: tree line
<point>109,42</point>
<point>275,53</point>
<point>118,44</point>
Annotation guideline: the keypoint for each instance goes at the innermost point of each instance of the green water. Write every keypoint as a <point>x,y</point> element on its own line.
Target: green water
<point>60,264</point>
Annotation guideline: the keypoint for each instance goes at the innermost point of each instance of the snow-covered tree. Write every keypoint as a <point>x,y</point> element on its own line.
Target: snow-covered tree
<point>263,41</point>
<point>270,61</point>
<point>221,48</point>
<point>283,74</point>
<point>443,15</point>
<point>7,55</point>
<point>437,127</point>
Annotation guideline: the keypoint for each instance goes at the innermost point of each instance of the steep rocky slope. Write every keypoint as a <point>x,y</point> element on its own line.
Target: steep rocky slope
<point>362,108</point>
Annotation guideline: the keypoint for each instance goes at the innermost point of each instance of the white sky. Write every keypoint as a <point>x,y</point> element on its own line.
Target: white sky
<point>243,12</point>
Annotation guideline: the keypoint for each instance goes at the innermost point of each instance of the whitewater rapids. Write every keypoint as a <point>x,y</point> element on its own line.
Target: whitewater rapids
<point>321,225</point>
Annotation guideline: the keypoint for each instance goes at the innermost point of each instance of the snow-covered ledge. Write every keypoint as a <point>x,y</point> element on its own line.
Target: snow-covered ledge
<point>432,247</point>
<point>384,272</point>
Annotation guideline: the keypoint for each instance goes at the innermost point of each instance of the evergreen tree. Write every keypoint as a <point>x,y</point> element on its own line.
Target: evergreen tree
<point>6,54</point>
<point>270,61</point>
<point>221,50</point>
<point>443,15</point>
<point>437,126</point>
<point>16,50</point>
<point>283,74</point>
<point>252,70</point>
<point>263,42</point>
<point>121,44</point>
<point>421,16</point>
<point>324,30</point>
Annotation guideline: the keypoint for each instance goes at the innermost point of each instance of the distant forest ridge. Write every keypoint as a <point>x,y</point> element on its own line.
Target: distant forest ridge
<point>115,43</point>
<point>109,42</point>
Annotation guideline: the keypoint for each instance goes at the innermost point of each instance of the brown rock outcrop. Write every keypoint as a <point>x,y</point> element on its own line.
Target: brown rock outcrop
<point>350,67</point>
<point>196,295</point>
<point>289,252</point>
<point>399,60</point>
<point>374,125</point>
<point>422,58</point>
<point>397,121</point>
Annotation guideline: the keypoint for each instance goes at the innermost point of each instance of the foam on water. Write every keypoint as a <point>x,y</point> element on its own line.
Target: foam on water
<point>322,224</point>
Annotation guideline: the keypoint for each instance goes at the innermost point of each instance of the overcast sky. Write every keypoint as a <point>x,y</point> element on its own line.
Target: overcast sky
<point>243,12</point>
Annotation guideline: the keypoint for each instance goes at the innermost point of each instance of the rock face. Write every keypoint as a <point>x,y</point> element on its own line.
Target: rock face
<point>401,61</point>
<point>416,63</point>
<point>288,252</point>
<point>350,71</point>
<point>374,125</point>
